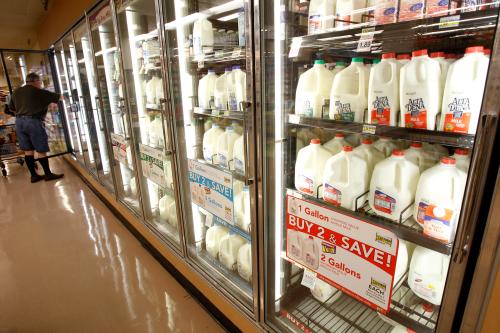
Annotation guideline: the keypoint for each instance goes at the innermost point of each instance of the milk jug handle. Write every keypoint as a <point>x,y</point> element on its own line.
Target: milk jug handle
<point>317,191</point>
<point>358,206</point>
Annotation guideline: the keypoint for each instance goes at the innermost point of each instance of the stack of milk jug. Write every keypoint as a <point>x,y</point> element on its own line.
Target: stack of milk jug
<point>397,90</point>
<point>224,92</point>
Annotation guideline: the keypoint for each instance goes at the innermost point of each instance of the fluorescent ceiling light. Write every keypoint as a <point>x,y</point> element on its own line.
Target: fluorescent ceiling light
<point>229,17</point>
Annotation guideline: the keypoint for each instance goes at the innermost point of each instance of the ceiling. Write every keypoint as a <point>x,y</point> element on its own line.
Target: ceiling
<point>22,14</point>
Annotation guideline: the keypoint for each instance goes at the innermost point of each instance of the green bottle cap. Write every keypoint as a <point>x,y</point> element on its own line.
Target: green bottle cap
<point>319,62</point>
<point>357,59</point>
<point>376,61</point>
<point>340,64</point>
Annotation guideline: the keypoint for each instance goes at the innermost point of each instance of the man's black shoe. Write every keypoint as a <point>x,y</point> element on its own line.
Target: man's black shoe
<point>37,178</point>
<point>53,176</point>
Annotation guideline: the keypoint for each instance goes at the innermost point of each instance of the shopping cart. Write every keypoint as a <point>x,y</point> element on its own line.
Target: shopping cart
<point>9,147</point>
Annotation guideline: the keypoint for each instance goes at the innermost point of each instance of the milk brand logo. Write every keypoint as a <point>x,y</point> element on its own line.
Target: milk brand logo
<point>328,248</point>
<point>381,103</point>
<point>383,240</point>
<point>458,106</point>
<point>343,108</point>
<point>415,106</point>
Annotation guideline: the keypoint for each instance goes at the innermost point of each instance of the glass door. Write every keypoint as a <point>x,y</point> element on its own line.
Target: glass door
<point>142,64</point>
<point>370,113</point>
<point>210,82</point>
<point>5,119</point>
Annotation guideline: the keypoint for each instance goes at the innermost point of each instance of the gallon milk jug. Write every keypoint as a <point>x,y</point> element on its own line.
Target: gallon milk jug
<point>156,132</point>
<point>346,177</point>
<point>393,185</point>
<point>324,292</point>
<point>463,93</point>
<point>383,91</point>
<point>348,99</point>
<point>309,167</point>
<point>242,208</point>
<point>310,252</point>
<point>336,144</point>
<point>439,56</point>
<point>133,187</point>
<point>225,145</point>
<point>435,150</point>
<point>386,12</point>
<point>487,53</point>
<point>320,15</point>
<point>167,173</point>
<point>240,88</point>
<point>210,139</point>
<point>450,57</point>
<point>438,199</point>
<point>228,250</point>
<point>163,206</point>
<point>354,139</point>
<point>203,37</point>
<point>385,145</point>
<point>427,274</point>
<point>294,245</point>
<point>213,238</point>
<point>403,59</point>
<point>463,159</point>
<point>421,158</point>
<point>172,214</point>
<point>313,89</point>
<point>420,91</point>
<point>401,263</point>
<point>206,89</point>
<point>370,154</point>
<point>339,65</point>
<point>239,155</point>
<point>348,12</point>
<point>220,90</point>
<point>411,10</point>
<point>245,262</point>
<point>237,127</point>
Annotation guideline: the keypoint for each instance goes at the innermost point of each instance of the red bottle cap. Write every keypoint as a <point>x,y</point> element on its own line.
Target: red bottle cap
<point>474,49</point>
<point>367,141</point>
<point>448,161</point>
<point>339,135</point>
<point>347,148</point>
<point>461,151</point>
<point>315,142</point>
<point>450,56</point>
<point>437,54</point>
<point>487,51</point>
<point>416,144</point>
<point>427,307</point>
<point>403,57</point>
<point>419,53</point>
<point>390,55</point>
<point>397,152</point>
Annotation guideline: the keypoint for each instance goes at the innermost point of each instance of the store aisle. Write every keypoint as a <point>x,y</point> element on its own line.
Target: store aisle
<point>68,265</point>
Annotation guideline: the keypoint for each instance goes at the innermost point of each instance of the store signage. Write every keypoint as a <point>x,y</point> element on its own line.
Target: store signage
<point>355,256</point>
<point>365,40</point>
<point>120,146</point>
<point>152,164</point>
<point>101,16</point>
<point>212,189</point>
<point>300,325</point>
<point>449,21</point>
<point>295,47</point>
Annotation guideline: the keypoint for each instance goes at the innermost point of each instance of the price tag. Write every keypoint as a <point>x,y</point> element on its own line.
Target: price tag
<point>369,129</point>
<point>201,63</point>
<point>449,21</point>
<point>236,52</point>
<point>308,279</point>
<point>295,47</point>
<point>365,40</point>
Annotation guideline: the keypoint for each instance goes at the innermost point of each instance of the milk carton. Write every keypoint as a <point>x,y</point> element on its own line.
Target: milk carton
<point>310,166</point>
<point>411,10</point>
<point>210,139</point>
<point>463,93</point>
<point>220,90</point>
<point>228,251</point>
<point>438,199</point>
<point>242,208</point>
<point>393,185</point>
<point>348,98</point>
<point>463,159</point>
<point>236,88</point>
<point>370,154</point>
<point>324,292</point>
<point>336,144</point>
<point>386,12</point>
<point>225,146</point>
<point>206,89</point>
<point>239,155</point>
<point>346,177</point>
<point>437,7</point>
<point>245,262</point>
<point>385,145</point>
<point>348,12</point>
<point>320,15</point>
<point>420,91</point>
<point>310,252</point>
<point>427,274</point>
<point>439,56</point>
<point>313,90</point>
<point>403,59</point>
<point>419,157</point>
<point>213,238</point>
<point>383,91</point>
<point>203,37</point>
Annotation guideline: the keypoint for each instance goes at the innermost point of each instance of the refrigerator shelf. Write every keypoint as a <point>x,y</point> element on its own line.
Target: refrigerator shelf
<point>233,228</point>
<point>235,174</point>
<point>421,135</point>
<point>235,54</point>
<point>222,114</point>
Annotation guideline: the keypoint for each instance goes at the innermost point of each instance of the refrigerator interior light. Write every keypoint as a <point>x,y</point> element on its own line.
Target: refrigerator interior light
<point>228,17</point>
<point>105,51</point>
<point>56,62</point>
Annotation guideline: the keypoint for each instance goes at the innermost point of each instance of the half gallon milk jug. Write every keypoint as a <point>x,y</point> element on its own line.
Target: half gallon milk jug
<point>438,199</point>
<point>228,251</point>
<point>421,158</point>
<point>439,56</point>
<point>320,15</point>
<point>210,139</point>
<point>203,37</point>
<point>463,159</point>
<point>239,155</point>
<point>420,91</point>
<point>463,93</point>
<point>403,59</point>
<point>240,88</point>
<point>346,177</point>
<point>370,154</point>
<point>324,292</point>
<point>313,90</point>
<point>348,99</point>
<point>213,238</point>
<point>385,145</point>
<point>383,91</point>
<point>245,261</point>
<point>393,185</point>
<point>206,89</point>
<point>163,206</point>
<point>310,252</point>
<point>427,274</point>
<point>242,208</point>
<point>348,12</point>
<point>309,167</point>
<point>220,90</point>
<point>336,144</point>
<point>225,145</point>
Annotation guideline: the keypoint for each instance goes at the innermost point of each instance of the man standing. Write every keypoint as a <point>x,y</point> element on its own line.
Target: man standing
<point>30,103</point>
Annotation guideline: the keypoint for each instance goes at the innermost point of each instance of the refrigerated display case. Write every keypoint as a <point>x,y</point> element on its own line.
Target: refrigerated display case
<point>332,78</point>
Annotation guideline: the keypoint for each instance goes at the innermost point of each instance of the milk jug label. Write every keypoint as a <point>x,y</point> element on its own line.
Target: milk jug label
<point>207,154</point>
<point>223,160</point>
<point>307,109</point>
<point>233,105</point>
<point>238,165</point>
<point>422,207</point>
<point>332,195</point>
<point>416,114</point>
<point>314,24</point>
<point>457,117</point>
<point>384,202</point>
<point>423,288</point>
<point>381,111</point>
<point>306,184</point>
<point>437,222</point>
<point>344,111</point>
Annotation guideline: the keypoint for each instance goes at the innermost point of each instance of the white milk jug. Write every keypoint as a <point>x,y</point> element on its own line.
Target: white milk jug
<point>401,263</point>
<point>393,185</point>
<point>220,90</point>
<point>245,262</point>
<point>133,187</point>
<point>418,156</point>
<point>156,132</point>
<point>309,167</point>
<point>210,139</point>
<point>172,214</point>
<point>383,91</point>
<point>237,127</point>
<point>346,177</point>
<point>348,12</point>
<point>403,59</point>
<point>348,98</point>
<point>203,37</point>
<point>336,144</point>
<point>239,155</point>
<point>354,139</point>
<point>310,252</point>
<point>385,145</point>
<point>339,65</point>
<point>463,159</point>
<point>450,57</point>
<point>420,89</point>
<point>206,89</point>
<point>228,251</point>
<point>213,238</point>
<point>320,15</point>
<point>242,208</point>
<point>438,199</point>
<point>225,145</point>
<point>443,64</point>
<point>435,150</point>
<point>370,154</point>
<point>240,88</point>
<point>463,93</point>
<point>163,206</point>
<point>313,90</point>
<point>324,292</point>
<point>167,173</point>
<point>294,245</point>
<point>427,274</point>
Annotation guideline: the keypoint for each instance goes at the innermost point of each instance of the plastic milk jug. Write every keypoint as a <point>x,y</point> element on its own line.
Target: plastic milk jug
<point>172,214</point>
<point>354,139</point>
<point>206,89</point>
<point>309,167</point>
<point>320,15</point>
<point>346,177</point>
<point>239,155</point>
<point>450,57</point>
<point>239,79</point>
<point>225,145</point>
<point>313,89</point>
<point>210,139</point>
<point>245,261</point>
<point>421,158</point>
<point>403,59</point>
<point>228,251</point>
<point>370,154</point>
<point>348,98</point>
<point>163,206</point>
<point>386,12</point>
<point>203,37</point>
<point>439,56</point>
<point>339,65</point>
<point>294,245</point>
<point>220,90</point>
<point>167,172</point>
<point>427,274</point>
<point>385,145</point>
<point>383,91</point>
<point>336,144</point>
<point>213,238</point>
<point>324,292</point>
<point>310,252</point>
<point>401,262</point>
<point>463,159</point>
<point>420,91</point>
<point>242,208</point>
<point>133,187</point>
<point>156,132</point>
<point>347,12</point>
<point>463,93</point>
<point>438,199</point>
<point>435,150</point>
<point>393,185</point>
<point>411,10</point>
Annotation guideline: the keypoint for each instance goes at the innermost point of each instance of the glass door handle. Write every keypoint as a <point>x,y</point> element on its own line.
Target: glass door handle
<point>123,113</point>
<point>244,107</point>
<point>169,147</point>
<point>98,108</point>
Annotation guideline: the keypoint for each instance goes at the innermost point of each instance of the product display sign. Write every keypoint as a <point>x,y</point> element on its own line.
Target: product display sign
<point>120,146</point>
<point>152,164</point>
<point>212,190</point>
<point>355,256</point>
